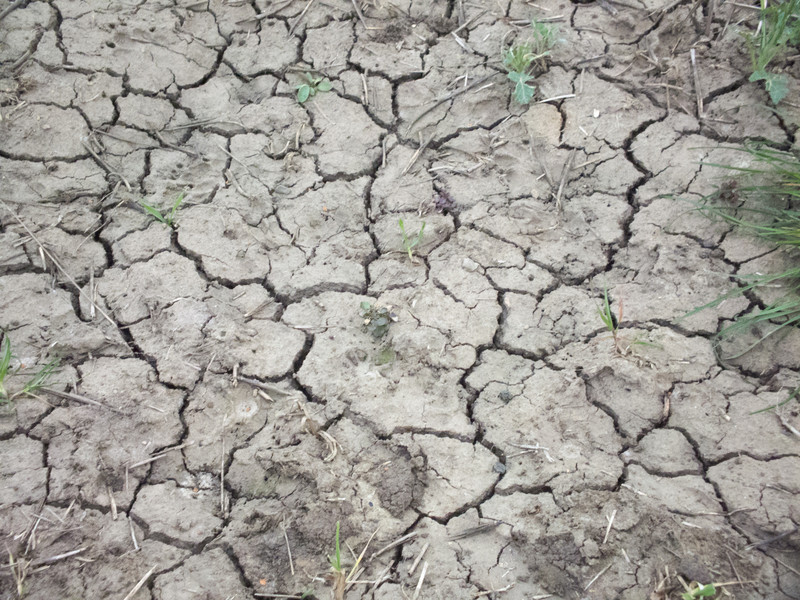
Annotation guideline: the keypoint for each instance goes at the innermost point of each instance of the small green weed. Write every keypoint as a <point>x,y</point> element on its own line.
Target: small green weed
<point>311,86</point>
<point>377,319</point>
<point>520,58</point>
<point>410,243</point>
<point>778,27</point>
<point>698,590</point>
<point>385,356</point>
<point>610,320</point>
<point>167,218</point>
<point>339,575</point>
<point>544,39</point>
<point>791,397</point>
<point>5,364</point>
<point>622,346</point>
<point>34,384</point>
<point>40,379</point>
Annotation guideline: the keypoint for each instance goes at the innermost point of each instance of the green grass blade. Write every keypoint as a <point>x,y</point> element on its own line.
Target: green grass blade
<point>336,559</point>
<point>793,395</point>
<point>155,213</point>
<point>5,362</point>
<point>175,206</point>
<point>604,310</point>
<point>39,380</point>
<point>768,314</point>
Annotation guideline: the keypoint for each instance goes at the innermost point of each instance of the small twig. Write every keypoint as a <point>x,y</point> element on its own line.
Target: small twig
<point>350,576</point>
<point>360,14</point>
<point>470,20</point>
<point>82,399</point>
<point>13,6</point>
<point>474,531</point>
<point>775,538</point>
<point>733,567</point>
<point>106,166</point>
<point>300,18</point>
<point>164,142</point>
<point>133,535</point>
<point>419,558</point>
<point>596,577</point>
<point>592,161</point>
<point>139,585</point>
<point>780,562</point>
<point>161,454</point>
<point>561,97</point>
<point>113,503</point>
<point>232,178</point>
<point>420,150</point>
<point>394,544</point>
<point>201,122</point>
<point>528,448</point>
<point>497,591</point>
<point>712,5</point>
<point>51,559</point>
<point>697,91</point>
<point>610,523</point>
<point>787,425</point>
<point>447,98</point>
<point>288,548</point>
<point>241,162</point>
<point>222,478</point>
<point>538,154</point>
<point>272,390</point>
<point>564,175</point>
<point>421,579</point>
<point>460,41</point>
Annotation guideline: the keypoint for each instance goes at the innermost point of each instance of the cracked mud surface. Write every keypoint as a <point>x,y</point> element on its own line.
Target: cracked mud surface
<point>496,406</point>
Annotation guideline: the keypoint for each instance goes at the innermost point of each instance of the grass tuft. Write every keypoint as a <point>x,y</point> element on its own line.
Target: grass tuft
<point>776,224</point>
<point>778,28</point>
<point>762,199</point>
<point>409,243</point>
<point>34,384</point>
<point>520,59</point>
<point>168,217</point>
<point>339,575</point>
<point>5,363</point>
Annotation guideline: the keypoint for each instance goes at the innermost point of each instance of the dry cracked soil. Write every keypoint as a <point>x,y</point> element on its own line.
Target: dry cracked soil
<point>220,405</point>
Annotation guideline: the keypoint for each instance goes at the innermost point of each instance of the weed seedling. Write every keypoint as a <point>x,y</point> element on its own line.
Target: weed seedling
<point>698,590</point>
<point>410,243</point>
<point>622,345</point>
<point>34,384</point>
<point>522,56</point>
<point>543,39</point>
<point>610,320</point>
<point>339,575</point>
<point>377,319</point>
<point>779,26</point>
<point>40,379</point>
<point>5,363</point>
<point>517,60</point>
<point>311,86</point>
<point>167,218</point>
